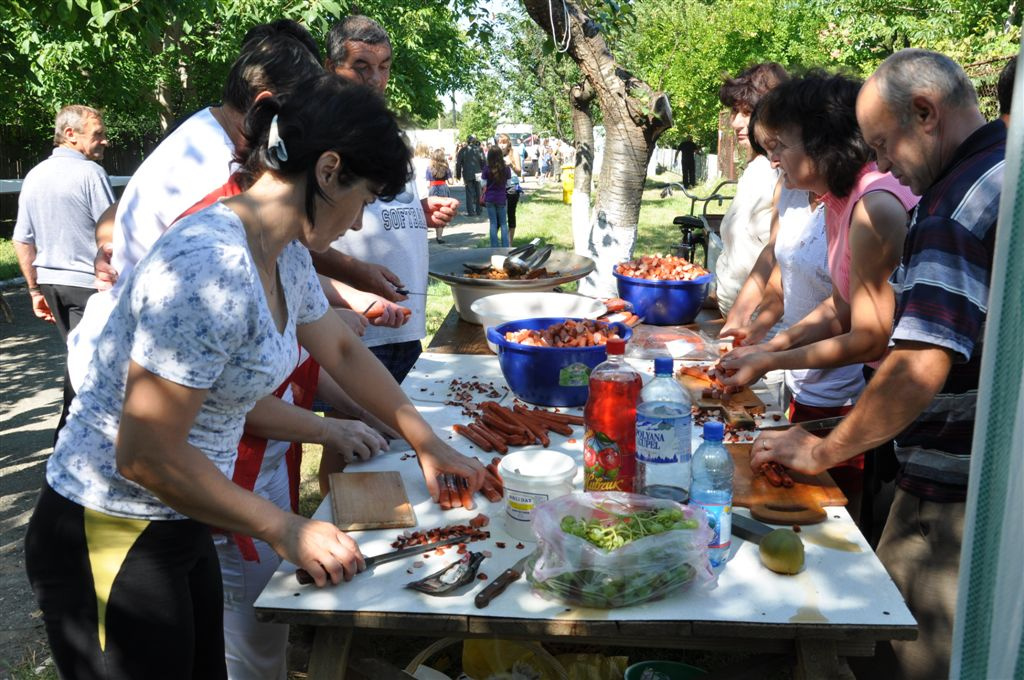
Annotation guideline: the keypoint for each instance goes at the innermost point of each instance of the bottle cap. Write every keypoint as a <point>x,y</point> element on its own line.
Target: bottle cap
<point>663,366</point>
<point>616,346</point>
<point>714,431</point>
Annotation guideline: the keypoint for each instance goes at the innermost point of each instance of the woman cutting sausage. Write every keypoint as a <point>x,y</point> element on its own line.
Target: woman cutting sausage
<point>118,550</point>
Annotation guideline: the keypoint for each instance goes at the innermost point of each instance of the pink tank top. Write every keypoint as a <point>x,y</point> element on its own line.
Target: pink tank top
<point>839,212</point>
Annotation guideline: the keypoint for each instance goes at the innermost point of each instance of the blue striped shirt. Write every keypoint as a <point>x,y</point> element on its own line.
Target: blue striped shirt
<point>942,287</point>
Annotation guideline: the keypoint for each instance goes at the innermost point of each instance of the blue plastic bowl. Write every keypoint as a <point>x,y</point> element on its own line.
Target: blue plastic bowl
<point>664,303</point>
<point>549,376</point>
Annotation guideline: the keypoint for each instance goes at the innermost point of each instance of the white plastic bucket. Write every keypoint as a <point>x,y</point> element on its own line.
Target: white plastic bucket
<point>531,478</point>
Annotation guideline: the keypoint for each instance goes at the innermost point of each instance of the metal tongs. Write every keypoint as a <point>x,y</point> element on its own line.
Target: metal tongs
<point>516,255</point>
<point>517,264</point>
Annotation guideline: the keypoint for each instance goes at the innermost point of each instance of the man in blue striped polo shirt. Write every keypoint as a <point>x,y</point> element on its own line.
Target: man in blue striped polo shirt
<point>919,111</point>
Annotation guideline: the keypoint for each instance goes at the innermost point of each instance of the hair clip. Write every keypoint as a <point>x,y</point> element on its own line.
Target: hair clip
<point>275,145</point>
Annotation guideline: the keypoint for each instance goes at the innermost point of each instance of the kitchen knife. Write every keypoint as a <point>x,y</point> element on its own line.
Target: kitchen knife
<point>749,529</point>
<point>808,425</point>
<point>498,585</point>
<point>304,577</point>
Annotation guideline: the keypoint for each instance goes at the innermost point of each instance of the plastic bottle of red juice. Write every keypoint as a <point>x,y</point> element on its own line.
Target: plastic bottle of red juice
<point>609,444</point>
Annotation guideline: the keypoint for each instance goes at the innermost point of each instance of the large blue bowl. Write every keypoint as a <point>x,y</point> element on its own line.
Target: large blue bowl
<point>549,376</point>
<point>664,303</point>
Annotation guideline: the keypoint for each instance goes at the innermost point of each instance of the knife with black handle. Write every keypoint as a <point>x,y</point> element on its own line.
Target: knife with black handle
<point>305,578</point>
<point>498,585</point>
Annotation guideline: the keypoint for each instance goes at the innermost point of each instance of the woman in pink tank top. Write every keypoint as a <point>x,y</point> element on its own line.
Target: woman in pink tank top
<point>811,133</point>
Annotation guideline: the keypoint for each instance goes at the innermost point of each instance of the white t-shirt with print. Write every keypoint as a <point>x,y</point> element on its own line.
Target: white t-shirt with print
<point>194,160</point>
<point>394,234</point>
<point>194,313</point>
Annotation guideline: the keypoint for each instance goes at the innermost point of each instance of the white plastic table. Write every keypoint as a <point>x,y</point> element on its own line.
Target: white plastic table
<point>841,604</point>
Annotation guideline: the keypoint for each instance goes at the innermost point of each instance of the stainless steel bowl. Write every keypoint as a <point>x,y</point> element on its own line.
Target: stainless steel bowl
<point>449,267</point>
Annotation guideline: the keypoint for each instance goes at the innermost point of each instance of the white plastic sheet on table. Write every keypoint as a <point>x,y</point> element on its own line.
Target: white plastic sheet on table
<point>844,586</point>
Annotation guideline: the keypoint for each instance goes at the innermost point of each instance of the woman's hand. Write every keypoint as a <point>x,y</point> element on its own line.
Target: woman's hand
<point>438,458</point>
<point>745,365</point>
<point>323,550</point>
<point>351,440</point>
<point>353,319</point>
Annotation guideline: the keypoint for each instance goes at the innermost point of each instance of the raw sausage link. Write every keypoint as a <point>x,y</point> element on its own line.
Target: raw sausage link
<point>496,441</point>
<point>444,496</point>
<point>472,436</point>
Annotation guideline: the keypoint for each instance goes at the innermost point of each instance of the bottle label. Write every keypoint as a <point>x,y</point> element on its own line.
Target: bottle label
<point>720,522</point>
<point>603,464</point>
<point>574,375</point>
<point>661,439</point>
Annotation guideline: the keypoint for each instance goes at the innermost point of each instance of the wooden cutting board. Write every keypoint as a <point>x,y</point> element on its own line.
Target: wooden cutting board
<point>744,400</point>
<point>799,504</point>
<point>370,500</point>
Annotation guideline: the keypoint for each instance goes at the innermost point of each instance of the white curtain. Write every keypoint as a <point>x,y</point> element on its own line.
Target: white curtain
<point>988,639</point>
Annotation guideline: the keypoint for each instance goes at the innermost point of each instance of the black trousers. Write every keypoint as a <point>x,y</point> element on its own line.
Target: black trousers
<point>68,305</point>
<point>123,598</point>
<point>513,201</point>
<point>472,197</point>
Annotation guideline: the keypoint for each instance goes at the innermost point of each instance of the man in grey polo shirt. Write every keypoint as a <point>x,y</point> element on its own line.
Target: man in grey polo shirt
<point>60,201</point>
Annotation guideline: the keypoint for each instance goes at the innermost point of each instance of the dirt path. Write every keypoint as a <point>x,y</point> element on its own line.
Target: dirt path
<point>31,374</point>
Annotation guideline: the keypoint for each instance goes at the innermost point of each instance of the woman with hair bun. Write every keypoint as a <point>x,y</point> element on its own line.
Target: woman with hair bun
<point>746,226</point>
<point>118,550</point>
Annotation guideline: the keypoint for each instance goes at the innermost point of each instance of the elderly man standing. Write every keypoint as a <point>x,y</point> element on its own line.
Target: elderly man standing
<point>920,113</point>
<point>61,200</point>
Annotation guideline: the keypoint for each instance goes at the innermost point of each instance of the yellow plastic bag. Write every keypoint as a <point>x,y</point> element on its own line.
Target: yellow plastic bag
<point>593,666</point>
<point>483,658</point>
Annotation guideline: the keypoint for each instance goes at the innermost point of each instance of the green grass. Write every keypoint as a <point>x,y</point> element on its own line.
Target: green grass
<point>8,260</point>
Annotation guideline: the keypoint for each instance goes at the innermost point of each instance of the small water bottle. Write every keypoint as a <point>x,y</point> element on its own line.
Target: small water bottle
<point>711,489</point>
<point>663,422</point>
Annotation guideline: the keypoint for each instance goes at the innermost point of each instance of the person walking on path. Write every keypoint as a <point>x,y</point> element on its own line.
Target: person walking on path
<point>919,111</point>
<point>61,200</point>
<point>687,154</point>
<point>438,174</point>
<point>495,176</point>
<point>512,185</point>
<point>468,164</point>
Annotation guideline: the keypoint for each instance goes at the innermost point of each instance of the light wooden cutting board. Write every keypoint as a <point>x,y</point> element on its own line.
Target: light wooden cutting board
<point>778,504</point>
<point>745,399</point>
<point>370,500</point>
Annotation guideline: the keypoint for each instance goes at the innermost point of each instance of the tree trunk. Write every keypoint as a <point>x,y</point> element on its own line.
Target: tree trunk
<point>170,39</point>
<point>634,117</point>
<point>581,96</point>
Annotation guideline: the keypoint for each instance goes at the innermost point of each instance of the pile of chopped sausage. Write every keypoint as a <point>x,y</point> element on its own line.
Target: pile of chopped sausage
<point>568,333</point>
<point>661,268</point>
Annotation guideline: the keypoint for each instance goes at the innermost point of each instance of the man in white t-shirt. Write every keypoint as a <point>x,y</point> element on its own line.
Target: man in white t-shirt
<point>394,233</point>
<point>195,159</point>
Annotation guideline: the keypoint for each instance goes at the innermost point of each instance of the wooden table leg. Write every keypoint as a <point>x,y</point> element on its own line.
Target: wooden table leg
<point>328,660</point>
<point>817,659</point>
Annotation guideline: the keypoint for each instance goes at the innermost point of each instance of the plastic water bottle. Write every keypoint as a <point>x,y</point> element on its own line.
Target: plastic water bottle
<point>711,489</point>
<point>663,422</point>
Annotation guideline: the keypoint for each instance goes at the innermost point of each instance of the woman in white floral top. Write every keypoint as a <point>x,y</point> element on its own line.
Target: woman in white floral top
<point>119,551</point>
